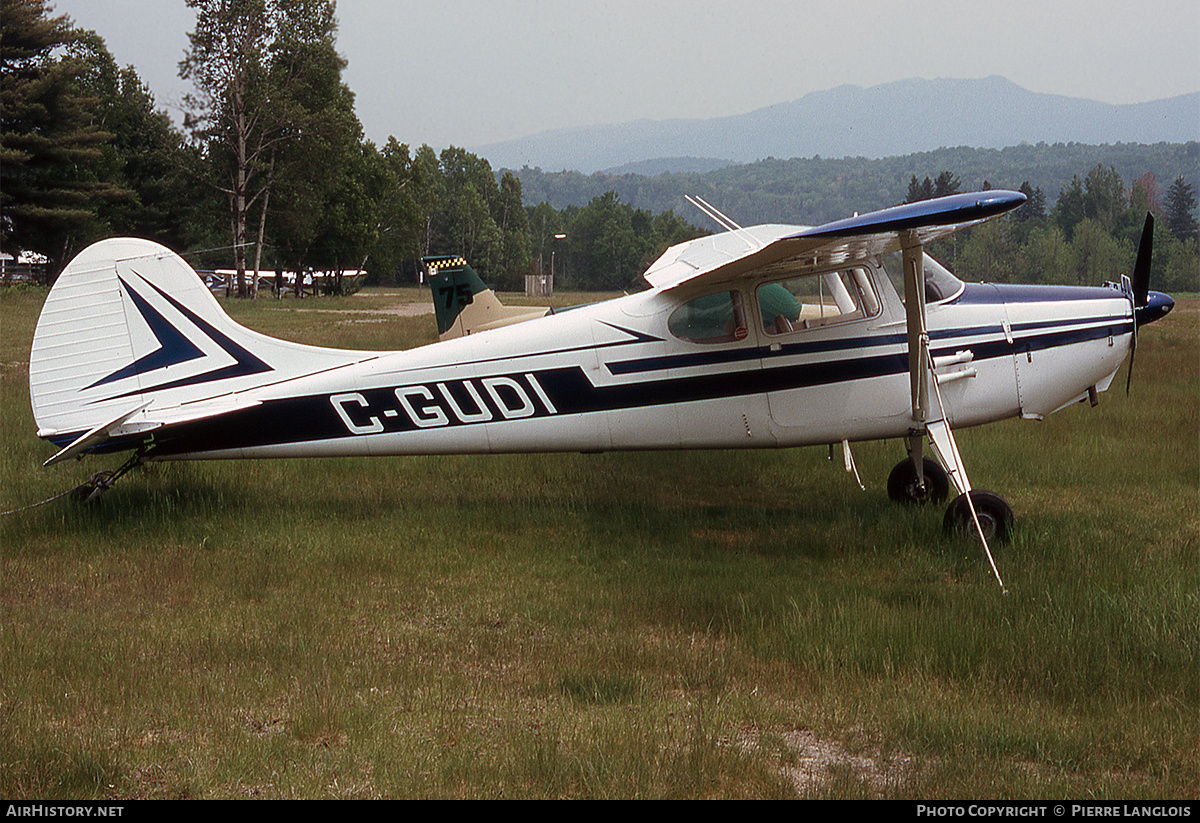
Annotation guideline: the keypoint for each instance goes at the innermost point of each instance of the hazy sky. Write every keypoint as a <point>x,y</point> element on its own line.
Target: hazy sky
<point>471,72</point>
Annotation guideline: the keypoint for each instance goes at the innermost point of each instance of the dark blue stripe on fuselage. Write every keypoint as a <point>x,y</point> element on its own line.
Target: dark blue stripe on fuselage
<point>311,418</point>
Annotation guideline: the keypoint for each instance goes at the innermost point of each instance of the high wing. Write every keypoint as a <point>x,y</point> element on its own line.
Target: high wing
<point>724,257</point>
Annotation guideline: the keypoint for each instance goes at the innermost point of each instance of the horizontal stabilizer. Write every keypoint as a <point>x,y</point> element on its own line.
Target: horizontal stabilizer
<point>201,411</point>
<point>95,437</point>
<point>141,420</point>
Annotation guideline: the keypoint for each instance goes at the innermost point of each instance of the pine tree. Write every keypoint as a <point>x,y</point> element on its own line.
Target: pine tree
<point>946,185</point>
<point>1069,210</point>
<point>1181,202</point>
<point>919,191</point>
<point>1104,198</point>
<point>914,191</point>
<point>48,140</point>
<point>1034,207</point>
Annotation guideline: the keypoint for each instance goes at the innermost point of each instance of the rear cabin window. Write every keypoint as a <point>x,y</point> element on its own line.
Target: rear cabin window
<point>814,300</point>
<point>713,318</point>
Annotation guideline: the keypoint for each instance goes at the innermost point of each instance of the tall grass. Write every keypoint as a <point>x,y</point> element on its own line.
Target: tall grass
<point>692,624</point>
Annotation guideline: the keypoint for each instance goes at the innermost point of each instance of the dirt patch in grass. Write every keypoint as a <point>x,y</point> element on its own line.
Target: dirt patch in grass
<point>810,762</point>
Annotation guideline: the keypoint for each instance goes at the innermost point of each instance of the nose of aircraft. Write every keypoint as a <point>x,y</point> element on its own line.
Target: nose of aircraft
<point>1157,305</point>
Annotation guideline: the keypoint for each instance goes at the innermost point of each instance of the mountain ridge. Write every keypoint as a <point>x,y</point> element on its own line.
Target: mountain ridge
<point>845,121</point>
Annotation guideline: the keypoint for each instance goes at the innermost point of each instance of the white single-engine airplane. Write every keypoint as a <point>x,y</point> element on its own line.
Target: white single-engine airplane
<point>768,336</point>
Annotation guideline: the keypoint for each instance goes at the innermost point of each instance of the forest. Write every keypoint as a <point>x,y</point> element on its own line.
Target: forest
<point>271,171</point>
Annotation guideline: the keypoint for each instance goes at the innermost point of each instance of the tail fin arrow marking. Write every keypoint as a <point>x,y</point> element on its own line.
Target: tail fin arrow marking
<point>174,348</point>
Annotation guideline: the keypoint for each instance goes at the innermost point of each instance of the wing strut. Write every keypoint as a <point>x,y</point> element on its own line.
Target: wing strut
<point>920,368</point>
<point>918,346</point>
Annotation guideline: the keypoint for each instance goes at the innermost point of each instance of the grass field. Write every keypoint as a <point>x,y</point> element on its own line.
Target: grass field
<point>645,625</point>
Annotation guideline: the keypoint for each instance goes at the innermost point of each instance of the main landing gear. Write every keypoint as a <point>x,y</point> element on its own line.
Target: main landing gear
<point>994,513</point>
<point>904,487</point>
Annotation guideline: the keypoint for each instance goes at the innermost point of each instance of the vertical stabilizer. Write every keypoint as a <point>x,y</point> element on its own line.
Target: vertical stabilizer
<point>129,325</point>
<point>463,304</point>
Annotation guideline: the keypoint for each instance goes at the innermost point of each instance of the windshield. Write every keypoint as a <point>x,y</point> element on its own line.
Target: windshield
<point>940,284</point>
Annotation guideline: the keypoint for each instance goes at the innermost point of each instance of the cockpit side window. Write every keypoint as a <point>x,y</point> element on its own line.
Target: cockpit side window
<point>713,318</point>
<point>813,300</point>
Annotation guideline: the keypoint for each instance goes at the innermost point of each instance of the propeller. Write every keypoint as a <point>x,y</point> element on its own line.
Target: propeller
<point>1139,293</point>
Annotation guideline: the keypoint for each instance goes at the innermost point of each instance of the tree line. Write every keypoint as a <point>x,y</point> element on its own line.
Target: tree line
<point>1080,224</point>
<point>1089,236</point>
<point>815,190</point>
<point>271,171</point>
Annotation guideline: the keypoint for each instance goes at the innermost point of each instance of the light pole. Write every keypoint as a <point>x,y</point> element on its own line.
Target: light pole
<point>552,250</point>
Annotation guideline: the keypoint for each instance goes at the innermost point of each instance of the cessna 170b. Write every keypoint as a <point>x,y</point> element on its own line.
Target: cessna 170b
<point>767,336</point>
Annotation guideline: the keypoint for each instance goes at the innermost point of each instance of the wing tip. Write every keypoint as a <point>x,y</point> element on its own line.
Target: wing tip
<point>954,209</point>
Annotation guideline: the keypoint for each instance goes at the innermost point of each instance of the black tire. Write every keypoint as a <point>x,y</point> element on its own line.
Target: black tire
<point>995,517</point>
<point>902,483</point>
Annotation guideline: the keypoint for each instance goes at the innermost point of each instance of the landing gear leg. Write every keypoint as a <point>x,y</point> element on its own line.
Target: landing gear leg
<point>904,486</point>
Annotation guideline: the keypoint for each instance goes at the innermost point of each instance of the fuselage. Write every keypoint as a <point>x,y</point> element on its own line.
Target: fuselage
<point>747,364</point>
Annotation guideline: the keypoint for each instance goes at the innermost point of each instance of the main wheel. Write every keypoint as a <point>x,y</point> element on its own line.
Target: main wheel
<point>902,483</point>
<point>995,517</point>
